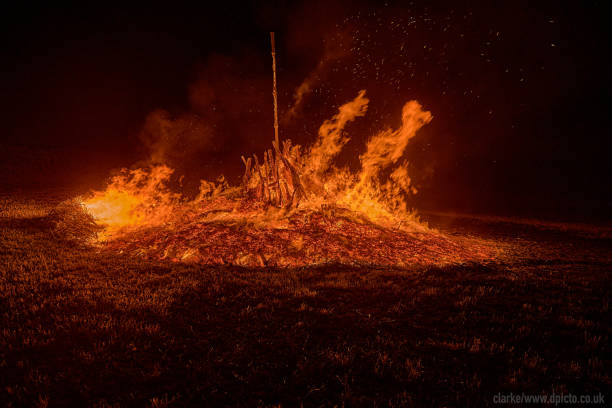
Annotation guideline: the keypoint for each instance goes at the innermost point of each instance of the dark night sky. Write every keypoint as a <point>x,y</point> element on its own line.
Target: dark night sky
<point>519,91</point>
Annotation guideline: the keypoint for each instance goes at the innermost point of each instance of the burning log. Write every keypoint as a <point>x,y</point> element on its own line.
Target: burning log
<point>291,173</point>
<point>247,172</point>
<point>274,94</point>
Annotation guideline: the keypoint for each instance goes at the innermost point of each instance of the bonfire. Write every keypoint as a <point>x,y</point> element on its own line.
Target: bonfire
<point>294,207</point>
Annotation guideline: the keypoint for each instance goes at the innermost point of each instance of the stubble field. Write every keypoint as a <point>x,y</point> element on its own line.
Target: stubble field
<point>85,327</point>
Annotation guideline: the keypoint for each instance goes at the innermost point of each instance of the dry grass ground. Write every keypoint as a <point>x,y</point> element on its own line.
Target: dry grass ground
<point>87,328</point>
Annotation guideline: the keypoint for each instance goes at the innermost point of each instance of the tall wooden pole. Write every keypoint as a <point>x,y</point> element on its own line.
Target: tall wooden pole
<point>274,91</point>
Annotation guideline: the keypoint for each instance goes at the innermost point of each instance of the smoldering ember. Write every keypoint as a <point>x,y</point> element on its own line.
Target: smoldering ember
<point>322,203</point>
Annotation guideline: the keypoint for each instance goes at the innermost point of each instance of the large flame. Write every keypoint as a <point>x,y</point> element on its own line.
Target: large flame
<point>292,200</point>
<point>134,198</point>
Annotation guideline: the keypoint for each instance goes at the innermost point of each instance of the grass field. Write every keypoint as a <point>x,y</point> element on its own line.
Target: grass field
<point>84,327</point>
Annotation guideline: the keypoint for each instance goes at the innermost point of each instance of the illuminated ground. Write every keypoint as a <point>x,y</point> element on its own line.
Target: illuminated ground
<point>305,238</point>
<point>84,327</point>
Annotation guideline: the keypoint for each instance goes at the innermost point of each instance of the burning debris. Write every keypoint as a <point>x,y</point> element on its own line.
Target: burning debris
<point>294,207</point>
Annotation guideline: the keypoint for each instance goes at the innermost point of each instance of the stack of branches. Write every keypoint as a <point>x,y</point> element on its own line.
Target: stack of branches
<point>275,181</point>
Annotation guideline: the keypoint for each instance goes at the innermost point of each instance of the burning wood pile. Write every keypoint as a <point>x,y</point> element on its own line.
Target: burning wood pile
<point>294,207</point>
<point>276,181</point>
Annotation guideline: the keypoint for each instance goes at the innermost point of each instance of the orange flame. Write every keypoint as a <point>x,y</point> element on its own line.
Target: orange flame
<point>134,198</point>
<point>141,198</point>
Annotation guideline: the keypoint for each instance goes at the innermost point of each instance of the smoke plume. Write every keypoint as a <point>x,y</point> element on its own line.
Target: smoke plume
<point>335,50</point>
<point>173,139</point>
